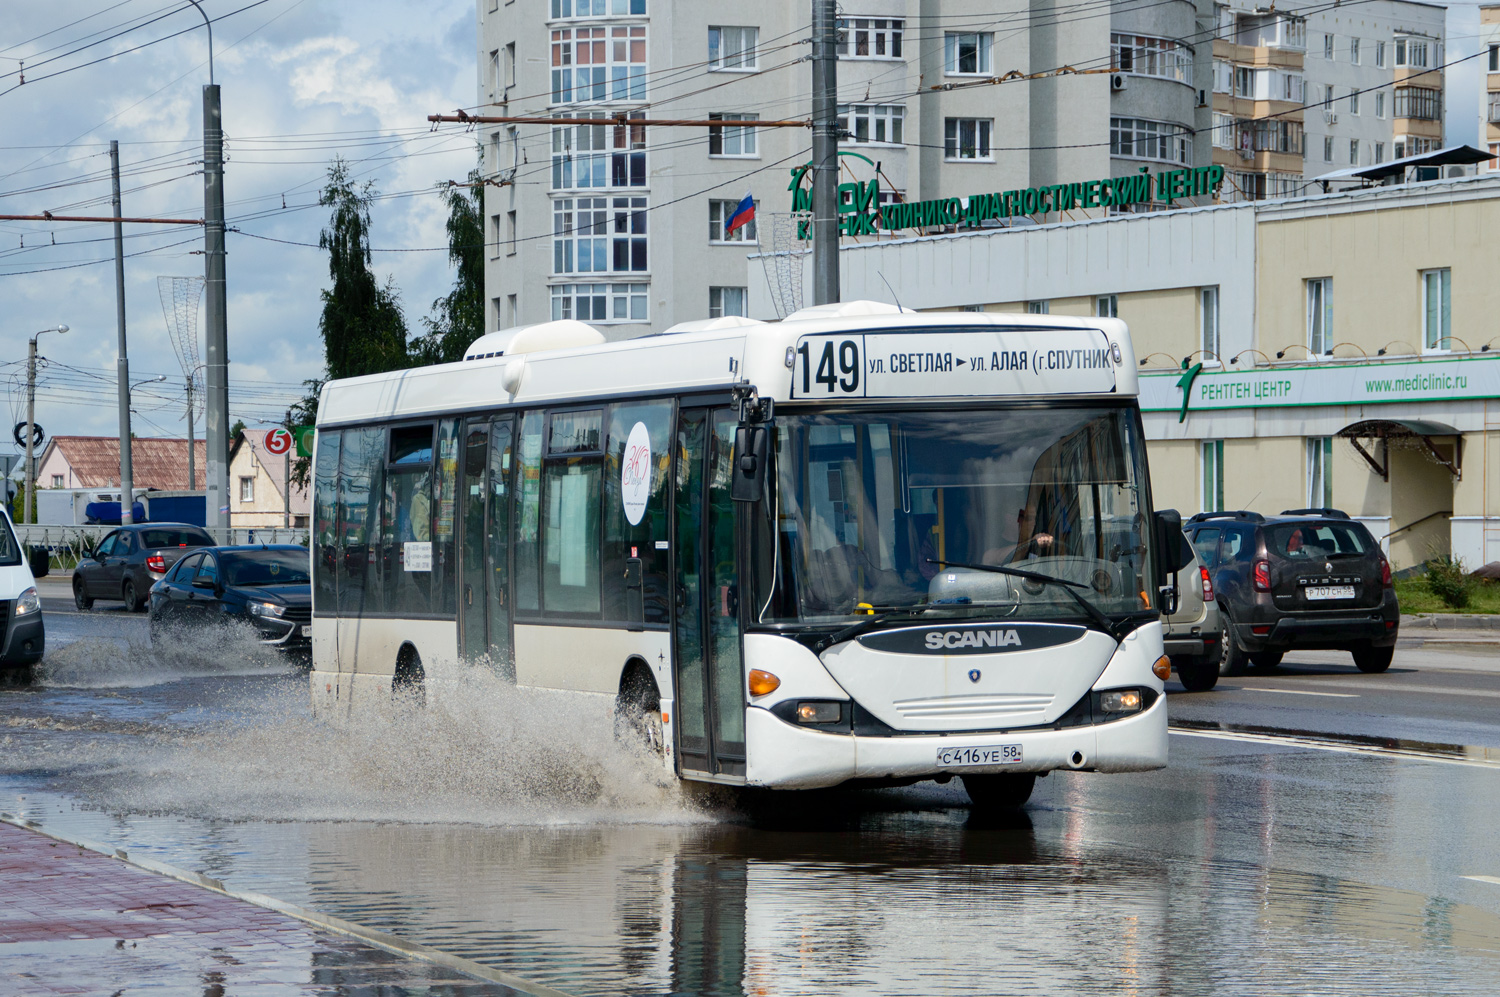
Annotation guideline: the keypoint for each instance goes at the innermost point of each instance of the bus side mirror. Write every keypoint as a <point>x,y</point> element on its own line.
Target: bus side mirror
<point>752,454</point>
<point>1172,556</point>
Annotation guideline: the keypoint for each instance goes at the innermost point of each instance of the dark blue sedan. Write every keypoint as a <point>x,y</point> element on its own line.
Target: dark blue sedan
<point>267,588</point>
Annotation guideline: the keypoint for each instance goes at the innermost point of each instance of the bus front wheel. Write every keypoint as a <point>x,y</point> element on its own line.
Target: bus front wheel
<point>1000,791</point>
<point>638,711</point>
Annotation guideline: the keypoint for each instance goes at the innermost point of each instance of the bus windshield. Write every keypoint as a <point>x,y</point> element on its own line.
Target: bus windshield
<point>912,510</point>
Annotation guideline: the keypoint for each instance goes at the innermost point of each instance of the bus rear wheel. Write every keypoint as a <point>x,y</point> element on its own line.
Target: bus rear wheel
<point>638,712</point>
<point>999,791</point>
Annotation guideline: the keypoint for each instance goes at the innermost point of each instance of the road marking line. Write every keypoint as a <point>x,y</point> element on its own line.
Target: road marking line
<point>1347,749</point>
<point>1484,879</point>
<point>1302,692</point>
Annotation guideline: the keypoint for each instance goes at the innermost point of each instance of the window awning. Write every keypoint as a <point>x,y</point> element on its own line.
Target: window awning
<point>1453,155</point>
<point>1418,429</point>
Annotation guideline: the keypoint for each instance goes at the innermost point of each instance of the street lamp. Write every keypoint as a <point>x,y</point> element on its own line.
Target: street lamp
<point>28,511</point>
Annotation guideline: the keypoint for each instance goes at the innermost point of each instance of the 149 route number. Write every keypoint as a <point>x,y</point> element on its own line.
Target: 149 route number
<point>831,366</point>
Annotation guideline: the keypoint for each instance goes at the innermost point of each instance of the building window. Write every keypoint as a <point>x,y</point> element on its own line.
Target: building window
<point>1244,81</point>
<point>600,302</point>
<point>511,238</point>
<point>1494,106</point>
<point>1354,51</point>
<point>967,138</point>
<point>629,236</point>
<point>1147,56</point>
<point>1422,103</point>
<point>870,37</point>
<point>1380,55</point>
<point>1494,59</point>
<point>1319,315</point>
<point>580,235</point>
<point>596,8</point>
<point>732,140</point>
<point>727,301</point>
<point>719,213</point>
<point>874,124</point>
<point>1380,105</point>
<point>1208,323</point>
<point>1414,53</point>
<point>1354,152</point>
<point>1212,499</point>
<point>732,48</point>
<point>57,480</point>
<point>1437,309</point>
<point>1107,306</point>
<point>1327,148</point>
<point>967,53</point>
<point>494,73</point>
<point>508,80</point>
<point>1278,135</point>
<point>247,489</point>
<point>494,236</point>
<point>1379,152</point>
<point>513,309</point>
<point>1328,97</point>
<point>1328,47</point>
<point>1353,101</point>
<point>1138,138</point>
<point>1225,132</point>
<point>595,64</point>
<point>1320,472</point>
<point>1038,307</point>
<point>498,312</point>
<point>1494,163</point>
<point>1223,76</point>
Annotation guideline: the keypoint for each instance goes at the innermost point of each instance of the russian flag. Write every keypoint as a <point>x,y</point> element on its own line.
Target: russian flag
<point>745,212</point>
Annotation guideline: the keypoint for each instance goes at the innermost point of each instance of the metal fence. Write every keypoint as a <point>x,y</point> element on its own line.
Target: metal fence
<point>68,544</point>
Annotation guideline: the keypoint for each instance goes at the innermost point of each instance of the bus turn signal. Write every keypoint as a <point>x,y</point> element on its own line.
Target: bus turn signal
<point>763,683</point>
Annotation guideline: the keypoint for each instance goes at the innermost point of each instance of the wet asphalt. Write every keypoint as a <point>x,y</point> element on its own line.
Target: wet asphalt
<point>1318,831</point>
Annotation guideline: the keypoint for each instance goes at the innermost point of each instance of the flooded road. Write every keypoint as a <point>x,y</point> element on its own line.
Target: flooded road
<point>490,825</point>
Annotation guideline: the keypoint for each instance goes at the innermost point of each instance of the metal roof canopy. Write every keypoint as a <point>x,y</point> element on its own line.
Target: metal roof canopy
<point>1453,155</point>
<point>1422,429</point>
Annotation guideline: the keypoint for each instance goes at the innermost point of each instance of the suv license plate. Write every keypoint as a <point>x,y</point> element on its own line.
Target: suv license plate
<point>999,754</point>
<point>1330,592</point>
<point>307,629</point>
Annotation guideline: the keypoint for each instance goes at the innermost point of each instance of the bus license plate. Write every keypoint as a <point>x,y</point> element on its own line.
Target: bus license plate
<point>307,629</point>
<point>1330,592</point>
<point>999,754</point>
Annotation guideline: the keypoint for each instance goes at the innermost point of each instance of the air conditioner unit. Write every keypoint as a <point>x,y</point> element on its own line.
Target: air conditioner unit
<point>1331,117</point>
<point>1118,82</point>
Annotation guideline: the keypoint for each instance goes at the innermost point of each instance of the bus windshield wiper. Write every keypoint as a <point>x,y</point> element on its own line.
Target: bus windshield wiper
<point>1093,611</point>
<point>854,630</point>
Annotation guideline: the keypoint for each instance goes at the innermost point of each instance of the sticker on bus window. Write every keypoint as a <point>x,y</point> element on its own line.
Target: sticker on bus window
<point>416,555</point>
<point>635,474</point>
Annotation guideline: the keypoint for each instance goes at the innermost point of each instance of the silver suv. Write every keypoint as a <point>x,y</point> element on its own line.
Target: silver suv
<point>1193,634</point>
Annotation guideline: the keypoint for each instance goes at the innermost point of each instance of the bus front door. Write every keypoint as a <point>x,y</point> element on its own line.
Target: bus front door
<point>706,632</point>
<point>497,549</point>
<point>473,501</point>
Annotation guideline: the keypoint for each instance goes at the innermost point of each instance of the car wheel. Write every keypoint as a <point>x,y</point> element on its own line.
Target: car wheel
<point>1373,659</point>
<point>133,603</point>
<point>1000,791</point>
<point>1197,674</point>
<point>81,597</point>
<point>1233,659</point>
<point>1266,659</point>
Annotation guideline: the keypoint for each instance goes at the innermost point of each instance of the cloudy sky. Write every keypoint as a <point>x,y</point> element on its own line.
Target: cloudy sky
<point>301,81</point>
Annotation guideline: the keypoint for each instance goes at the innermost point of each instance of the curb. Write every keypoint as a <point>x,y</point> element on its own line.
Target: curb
<point>371,936</point>
<point>1451,621</point>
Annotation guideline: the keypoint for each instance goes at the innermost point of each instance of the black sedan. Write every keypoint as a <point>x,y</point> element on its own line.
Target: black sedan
<point>128,561</point>
<point>266,588</point>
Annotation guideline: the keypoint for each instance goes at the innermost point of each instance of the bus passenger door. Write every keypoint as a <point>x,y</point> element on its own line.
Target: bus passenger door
<point>471,572</point>
<point>706,632</point>
<point>497,550</point>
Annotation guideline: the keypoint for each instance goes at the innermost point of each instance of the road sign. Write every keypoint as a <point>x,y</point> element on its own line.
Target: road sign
<point>278,441</point>
<point>305,437</point>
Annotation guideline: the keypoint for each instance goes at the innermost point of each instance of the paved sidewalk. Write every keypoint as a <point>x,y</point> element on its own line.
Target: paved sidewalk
<point>74,921</point>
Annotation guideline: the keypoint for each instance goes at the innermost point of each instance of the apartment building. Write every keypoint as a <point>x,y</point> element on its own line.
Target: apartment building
<point>1489,101</point>
<point>1300,95</point>
<point>625,225</point>
<point>1349,355</point>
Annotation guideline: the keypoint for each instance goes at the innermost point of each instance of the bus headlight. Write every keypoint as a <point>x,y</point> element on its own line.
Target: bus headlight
<point>1120,701</point>
<point>28,603</point>
<point>819,713</point>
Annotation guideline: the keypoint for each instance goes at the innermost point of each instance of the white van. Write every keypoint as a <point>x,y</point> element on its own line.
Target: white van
<point>22,638</point>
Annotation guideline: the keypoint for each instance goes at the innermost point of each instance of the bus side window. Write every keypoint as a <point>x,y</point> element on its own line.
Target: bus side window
<point>637,460</point>
<point>528,512</point>
<point>444,501</point>
<point>570,513</point>
<point>359,515</point>
<point>325,522</point>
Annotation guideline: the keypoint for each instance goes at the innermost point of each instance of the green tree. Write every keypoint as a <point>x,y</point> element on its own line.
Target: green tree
<point>362,326</point>
<point>457,318</point>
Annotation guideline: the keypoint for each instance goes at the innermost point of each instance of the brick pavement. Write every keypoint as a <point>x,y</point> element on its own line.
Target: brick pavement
<point>74,921</point>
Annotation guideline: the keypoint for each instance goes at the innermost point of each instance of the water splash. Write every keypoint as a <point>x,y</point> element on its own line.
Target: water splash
<point>135,662</point>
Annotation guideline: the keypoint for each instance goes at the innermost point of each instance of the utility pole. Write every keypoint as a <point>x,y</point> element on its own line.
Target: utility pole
<point>825,169</point>
<point>216,416</point>
<point>29,496</point>
<point>192,444</point>
<point>122,363</point>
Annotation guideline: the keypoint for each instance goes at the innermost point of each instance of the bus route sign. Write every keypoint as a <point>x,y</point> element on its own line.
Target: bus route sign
<point>905,365</point>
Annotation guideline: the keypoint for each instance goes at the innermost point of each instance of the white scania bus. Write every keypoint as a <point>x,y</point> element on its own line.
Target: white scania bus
<point>858,545</point>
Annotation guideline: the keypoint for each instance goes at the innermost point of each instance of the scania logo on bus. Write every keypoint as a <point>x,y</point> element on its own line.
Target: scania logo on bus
<point>974,639</point>
<point>938,640</point>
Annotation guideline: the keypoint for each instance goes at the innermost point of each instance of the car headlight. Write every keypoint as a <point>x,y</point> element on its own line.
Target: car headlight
<point>28,603</point>
<point>265,608</point>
